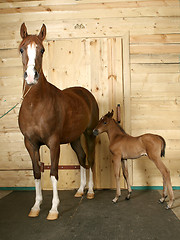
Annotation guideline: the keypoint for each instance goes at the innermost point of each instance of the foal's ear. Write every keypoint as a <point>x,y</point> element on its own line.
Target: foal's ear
<point>112,112</point>
<point>42,33</point>
<point>23,31</point>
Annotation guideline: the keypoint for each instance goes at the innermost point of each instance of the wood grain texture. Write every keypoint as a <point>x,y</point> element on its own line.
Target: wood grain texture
<point>150,100</point>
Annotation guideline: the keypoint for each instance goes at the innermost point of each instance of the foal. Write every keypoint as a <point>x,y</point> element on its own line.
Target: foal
<point>124,146</point>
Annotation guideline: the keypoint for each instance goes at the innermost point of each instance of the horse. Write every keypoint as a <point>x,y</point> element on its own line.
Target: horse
<point>50,116</point>
<point>123,147</point>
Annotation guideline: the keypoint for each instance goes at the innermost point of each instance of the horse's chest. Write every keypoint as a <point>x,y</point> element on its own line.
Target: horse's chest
<point>29,123</point>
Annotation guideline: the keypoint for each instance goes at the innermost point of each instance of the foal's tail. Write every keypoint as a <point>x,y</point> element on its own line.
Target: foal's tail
<point>163,147</point>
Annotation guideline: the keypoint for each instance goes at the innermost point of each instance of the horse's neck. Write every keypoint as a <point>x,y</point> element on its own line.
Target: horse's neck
<point>34,88</point>
<point>114,130</point>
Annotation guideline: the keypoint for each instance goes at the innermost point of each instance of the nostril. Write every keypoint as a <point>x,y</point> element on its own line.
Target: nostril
<point>25,75</point>
<point>36,76</point>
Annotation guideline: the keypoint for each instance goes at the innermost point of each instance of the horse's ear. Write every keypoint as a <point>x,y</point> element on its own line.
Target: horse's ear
<point>42,33</point>
<point>23,31</point>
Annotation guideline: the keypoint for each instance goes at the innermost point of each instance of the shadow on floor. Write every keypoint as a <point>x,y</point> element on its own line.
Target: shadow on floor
<point>139,218</point>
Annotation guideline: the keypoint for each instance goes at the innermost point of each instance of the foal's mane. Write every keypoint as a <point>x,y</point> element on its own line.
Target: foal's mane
<point>122,130</point>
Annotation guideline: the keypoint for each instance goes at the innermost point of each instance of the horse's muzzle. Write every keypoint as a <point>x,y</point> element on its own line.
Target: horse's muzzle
<point>31,75</point>
<point>95,132</point>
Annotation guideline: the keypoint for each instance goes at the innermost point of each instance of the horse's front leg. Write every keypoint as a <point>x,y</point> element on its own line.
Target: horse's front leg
<point>35,157</point>
<point>117,166</point>
<point>55,152</point>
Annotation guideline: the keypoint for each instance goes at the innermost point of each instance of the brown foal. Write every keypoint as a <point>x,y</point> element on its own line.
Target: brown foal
<point>124,146</point>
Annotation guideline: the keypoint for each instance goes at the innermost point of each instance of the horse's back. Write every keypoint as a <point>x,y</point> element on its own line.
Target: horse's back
<point>81,92</point>
<point>85,98</point>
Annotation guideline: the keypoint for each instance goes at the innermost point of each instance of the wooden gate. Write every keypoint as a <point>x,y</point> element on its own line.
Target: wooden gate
<point>96,64</point>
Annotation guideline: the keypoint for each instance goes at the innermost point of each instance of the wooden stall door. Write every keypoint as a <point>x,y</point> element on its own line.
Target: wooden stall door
<point>96,64</point>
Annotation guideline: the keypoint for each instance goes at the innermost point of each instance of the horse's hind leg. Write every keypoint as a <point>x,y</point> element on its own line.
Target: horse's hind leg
<point>164,192</point>
<point>166,180</point>
<point>35,157</point>
<point>76,146</point>
<point>126,176</point>
<point>90,142</point>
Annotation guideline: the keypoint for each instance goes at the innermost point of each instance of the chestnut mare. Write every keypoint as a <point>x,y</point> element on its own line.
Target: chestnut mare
<point>124,146</point>
<point>49,116</point>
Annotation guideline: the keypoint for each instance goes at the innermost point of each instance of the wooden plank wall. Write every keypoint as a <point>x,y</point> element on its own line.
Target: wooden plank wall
<point>96,64</point>
<point>154,30</point>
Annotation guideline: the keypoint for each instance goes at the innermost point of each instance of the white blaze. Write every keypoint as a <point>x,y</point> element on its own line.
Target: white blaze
<point>31,52</point>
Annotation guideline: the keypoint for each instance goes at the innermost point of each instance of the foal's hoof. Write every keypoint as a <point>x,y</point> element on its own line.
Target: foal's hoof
<point>127,198</point>
<point>162,200</point>
<point>115,200</point>
<point>34,213</point>
<point>79,194</point>
<point>52,216</point>
<point>90,195</point>
<point>167,207</point>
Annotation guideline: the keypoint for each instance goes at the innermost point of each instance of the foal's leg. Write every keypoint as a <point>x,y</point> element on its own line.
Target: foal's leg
<point>161,200</point>
<point>117,168</point>
<point>54,152</point>
<point>35,157</point>
<point>166,181</point>
<point>90,141</point>
<point>76,146</point>
<point>126,176</point>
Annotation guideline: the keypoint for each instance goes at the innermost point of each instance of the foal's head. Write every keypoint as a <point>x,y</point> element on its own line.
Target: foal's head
<point>31,49</point>
<point>103,123</point>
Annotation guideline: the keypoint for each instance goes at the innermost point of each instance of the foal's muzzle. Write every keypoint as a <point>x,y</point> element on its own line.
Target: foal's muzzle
<point>95,132</point>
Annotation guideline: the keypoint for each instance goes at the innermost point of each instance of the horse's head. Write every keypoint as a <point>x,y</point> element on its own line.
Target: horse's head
<point>31,49</point>
<point>103,123</point>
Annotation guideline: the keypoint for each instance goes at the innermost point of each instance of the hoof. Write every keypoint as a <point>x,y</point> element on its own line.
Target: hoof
<point>90,195</point>
<point>161,200</point>
<point>34,213</point>
<point>52,216</point>
<point>127,198</point>
<point>167,207</point>
<point>79,194</point>
<point>115,200</point>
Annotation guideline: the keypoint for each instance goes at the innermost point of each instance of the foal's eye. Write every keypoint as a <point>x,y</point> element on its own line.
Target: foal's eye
<point>105,122</point>
<point>21,50</point>
<point>42,50</point>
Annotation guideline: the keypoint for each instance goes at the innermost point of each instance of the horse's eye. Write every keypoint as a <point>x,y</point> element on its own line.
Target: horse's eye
<point>105,122</point>
<point>21,50</point>
<point>42,50</point>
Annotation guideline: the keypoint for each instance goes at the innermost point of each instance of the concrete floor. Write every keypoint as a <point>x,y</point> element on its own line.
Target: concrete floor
<point>140,218</point>
<point>175,209</point>
<point>176,206</point>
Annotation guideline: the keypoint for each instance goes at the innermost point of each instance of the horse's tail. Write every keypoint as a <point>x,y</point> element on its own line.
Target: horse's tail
<point>163,147</point>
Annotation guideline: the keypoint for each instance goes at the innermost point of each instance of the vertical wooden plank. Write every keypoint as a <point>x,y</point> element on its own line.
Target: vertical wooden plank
<point>127,94</point>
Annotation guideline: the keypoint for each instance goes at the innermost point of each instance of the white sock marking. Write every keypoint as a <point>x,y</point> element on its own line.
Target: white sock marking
<point>38,195</point>
<point>83,179</point>
<point>55,200</point>
<point>91,184</point>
